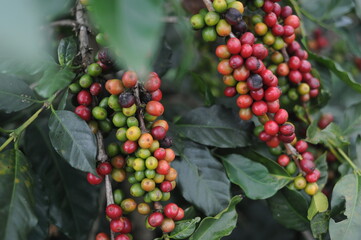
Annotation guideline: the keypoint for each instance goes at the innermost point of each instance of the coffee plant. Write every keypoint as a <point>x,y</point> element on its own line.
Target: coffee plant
<point>223,119</point>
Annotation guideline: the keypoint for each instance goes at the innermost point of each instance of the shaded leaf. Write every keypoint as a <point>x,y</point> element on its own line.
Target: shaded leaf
<point>347,188</point>
<point>330,136</point>
<point>351,121</point>
<point>322,166</point>
<point>319,223</point>
<point>63,101</point>
<point>15,95</point>
<point>219,226</point>
<point>72,138</point>
<point>202,179</point>
<point>138,48</point>
<point>17,200</point>
<point>358,7</point>
<point>67,51</point>
<point>319,204</point>
<point>72,201</point>
<point>289,208</point>
<point>54,79</point>
<point>252,177</point>
<point>213,126</point>
<point>163,62</point>
<point>185,228</point>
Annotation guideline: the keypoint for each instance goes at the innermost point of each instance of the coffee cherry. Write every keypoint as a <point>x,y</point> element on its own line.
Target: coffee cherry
<point>95,89</point>
<point>157,95</point>
<point>166,186</point>
<point>301,146</point>
<point>283,160</point>
<point>260,29</point>
<point>229,92</point>
<point>84,98</point>
<point>252,64</point>
<point>244,101</point>
<point>197,21</point>
<point>270,19</point>
<point>271,127</point>
<point>159,153</point>
<point>311,188</point>
<point>314,176</point>
<point>171,210</point>
<point>155,219</point>
<point>147,184</point>
<point>172,175</point>
<point>288,31</point>
<point>293,21</point>
<point>116,225</point>
<point>223,29</point>
<point>247,38</point>
<point>99,113</point>
<point>259,108</point>
<point>211,18</point>
<point>308,156</point>
<point>93,180</point>
<point>283,69</point>
<point>273,142</point>
<point>234,45</point>
<point>129,79</point>
<point>246,50</point>
<point>278,30</point>
<point>166,142</point>
<point>295,76</point>
<point>94,70</point>
<point>209,34</point>
<point>281,116</point>
<point>224,67</point>
<point>154,108</point>
<point>233,16</point>
<point>113,211</point>
<point>129,147</point>
<point>268,6</point>
<point>257,95</point>
<point>114,86</point>
<point>286,11</point>
<point>294,63</point>
<point>158,133</point>
<point>102,236</point>
<point>240,28</point>
<point>236,61</point>
<point>272,94</point>
<point>274,106</point>
<point>104,168</point>
<point>168,225</point>
<point>122,237</point>
<point>287,139</point>
<point>223,52</point>
<point>83,112</point>
<point>180,214</point>
<point>300,182</point>
<point>85,81</point>
<point>254,82</point>
<point>287,129</point>
<point>163,167</point>
<point>307,165</point>
<point>325,120</point>
<point>260,51</point>
<point>245,114</point>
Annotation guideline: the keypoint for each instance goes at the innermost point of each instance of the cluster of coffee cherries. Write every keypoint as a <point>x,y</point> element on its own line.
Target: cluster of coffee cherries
<point>226,18</point>
<point>141,153</point>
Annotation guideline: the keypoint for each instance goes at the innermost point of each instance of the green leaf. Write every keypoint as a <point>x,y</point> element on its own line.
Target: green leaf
<point>184,229</point>
<point>202,179</point>
<point>16,201</point>
<point>347,188</point>
<point>351,120</point>
<point>214,126</point>
<point>331,136</point>
<point>54,79</point>
<point>71,200</point>
<point>72,138</point>
<point>322,166</point>
<point>319,204</point>
<point>319,223</point>
<point>67,51</point>
<point>337,70</point>
<point>135,44</point>
<point>289,208</point>
<point>204,89</point>
<point>358,7</point>
<point>15,95</point>
<point>219,226</point>
<point>252,177</point>
<point>63,101</point>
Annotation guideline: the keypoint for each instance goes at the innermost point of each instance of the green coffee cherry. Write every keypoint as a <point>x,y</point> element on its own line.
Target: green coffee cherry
<point>209,34</point>
<point>211,18</point>
<point>85,81</point>
<point>197,21</point>
<point>99,113</point>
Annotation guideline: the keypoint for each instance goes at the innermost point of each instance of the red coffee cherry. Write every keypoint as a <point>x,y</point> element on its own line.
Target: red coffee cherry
<point>283,160</point>
<point>301,146</point>
<point>122,237</point>
<point>272,94</point>
<point>271,127</point>
<point>293,21</point>
<point>274,106</point>
<point>286,11</point>
<point>129,79</point>
<point>234,45</point>
<point>287,139</point>
<point>246,50</point>
<point>153,82</point>
<point>180,215</point>
<point>314,176</point>
<point>294,63</point>
<point>224,68</point>
<point>102,236</point>
<point>247,38</point>
<point>230,91</point>
<point>259,108</point>
<point>257,95</point>
<point>293,47</point>
<point>305,66</point>
<point>158,132</point>
<point>244,101</point>
<point>157,95</point>
<point>288,30</point>
<point>245,114</point>
<point>104,168</point>
<point>222,51</point>
<point>84,98</point>
<point>116,225</point>
<point>308,156</point>
<point>277,9</point>
<point>268,6</point>
<point>287,129</point>
<point>252,64</point>
<point>154,108</point>
<point>307,165</point>
<point>83,112</point>
<point>260,51</point>
<point>325,120</point>
<point>313,93</point>
<point>114,211</point>
<point>273,142</point>
<point>129,147</point>
<point>95,89</point>
<point>264,137</point>
<point>281,116</point>
<point>93,180</point>
<point>155,219</point>
<point>127,225</point>
<point>236,61</point>
<point>295,76</point>
<point>160,153</point>
<point>314,83</point>
<point>270,19</point>
<point>163,167</point>
<point>278,30</point>
<point>171,210</point>
<point>166,186</point>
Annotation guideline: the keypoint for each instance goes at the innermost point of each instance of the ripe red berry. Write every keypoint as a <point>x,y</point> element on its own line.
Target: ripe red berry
<point>113,211</point>
<point>307,165</point>
<point>259,108</point>
<point>301,146</point>
<point>102,236</point>
<point>305,66</point>
<point>159,153</point>
<point>308,156</point>
<point>283,160</point>
<point>274,106</point>
<point>271,127</point>
<point>180,215</point>
<point>287,129</point>
<point>246,50</point>
<point>153,82</point>
<point>155,219</point>
<point>252,64</point>
<point>95,89</point>
<point>222,51</point>
<point>84,98</point>
<point>129,147</point>
<point>293,21</point>
<point>281,116</point>
<point>286,11</point>
<point>314,93</point>
<point>157,95</point>
<point>314,176</point>
<point>270,19</point>
<point>273,142</point>
<point>154,108</point>
<point>302,54</point>
<point>245,114</point>
<point>295,76</point>
<point>230,91</point>
<point>171,210</point>
<point>272,94</point>
<point>104,168</point>
<point>224,68</point>
<point>294,63</point>
<point>129,79</point>
<point>247,38</point>
<point>293,47</point>
<point>277,9</point>
<point>83,112</point>
<point>278,30</point>
<point>166,186</point>
<point>287,139</point>
<point>163,167</point>
<point>93,180</point>
<point>234,45</point>
<point>314,83</point>
<point>244,101</point>
<point>122,237</point>
<point>127,225</point>
<point>116,225</point>
<point>236,61</point>
<point>268,6</point>
<point>288,30</point>
<point>158,132</point>
<point>260,51</point>
<point>264,137</point>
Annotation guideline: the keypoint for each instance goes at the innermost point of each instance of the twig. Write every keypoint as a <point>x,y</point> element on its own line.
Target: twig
<point>290,150</point>
<point>110,199</point>
<point>82,20</point>
<point>102,156</point>
<point>64,23</point>
<point>285,54</point>
<point>140,113</point>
